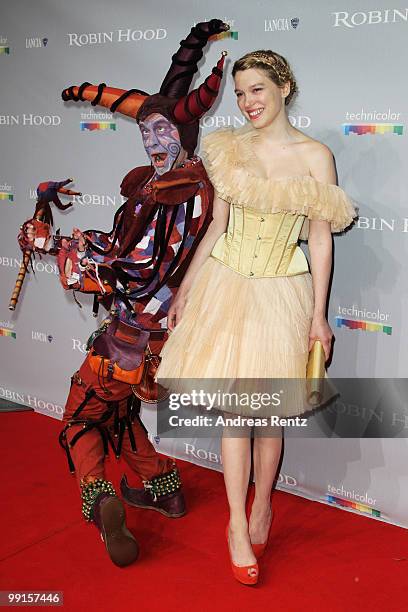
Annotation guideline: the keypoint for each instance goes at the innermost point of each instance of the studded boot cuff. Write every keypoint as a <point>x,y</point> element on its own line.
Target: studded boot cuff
<point>90,493</point>
<point>164,484</point>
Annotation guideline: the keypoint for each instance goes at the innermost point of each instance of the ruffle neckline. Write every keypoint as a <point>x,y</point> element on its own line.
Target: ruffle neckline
<point>227,153</point>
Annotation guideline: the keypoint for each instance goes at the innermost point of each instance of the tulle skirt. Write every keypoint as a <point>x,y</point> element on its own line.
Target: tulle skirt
<point>234,327</point>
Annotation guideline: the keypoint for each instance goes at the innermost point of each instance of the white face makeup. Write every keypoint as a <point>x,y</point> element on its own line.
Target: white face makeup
<point>161,141</point>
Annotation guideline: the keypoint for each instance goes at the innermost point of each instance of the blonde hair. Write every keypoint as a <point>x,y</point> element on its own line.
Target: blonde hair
<point>276,67</point>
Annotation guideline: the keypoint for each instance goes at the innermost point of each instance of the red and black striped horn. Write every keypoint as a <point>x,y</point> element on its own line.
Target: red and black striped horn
<point>178,79</point>
<point>195,104</point>
<point>126,102</point>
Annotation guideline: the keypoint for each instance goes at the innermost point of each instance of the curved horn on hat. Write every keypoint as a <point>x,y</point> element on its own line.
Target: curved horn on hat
<point>123,101</point>
<point>199,101</point>
<point>178,79</point>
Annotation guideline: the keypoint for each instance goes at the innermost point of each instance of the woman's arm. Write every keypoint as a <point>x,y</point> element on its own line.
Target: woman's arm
<point>322,168</point>
<point>320,248</point>
<point>217,227</point>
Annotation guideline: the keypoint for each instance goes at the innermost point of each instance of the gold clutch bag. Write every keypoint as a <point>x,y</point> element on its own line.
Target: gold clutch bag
<point>315,374</point>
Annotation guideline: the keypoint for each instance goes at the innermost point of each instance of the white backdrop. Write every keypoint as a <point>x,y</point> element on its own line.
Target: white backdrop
<point>348,59</point>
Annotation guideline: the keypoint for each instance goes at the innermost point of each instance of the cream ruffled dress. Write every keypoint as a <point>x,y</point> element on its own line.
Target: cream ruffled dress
<point>248,312</point>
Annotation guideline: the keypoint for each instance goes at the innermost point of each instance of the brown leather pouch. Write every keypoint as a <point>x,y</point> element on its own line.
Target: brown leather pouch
<point>147,389</point>
<point>119,352</point>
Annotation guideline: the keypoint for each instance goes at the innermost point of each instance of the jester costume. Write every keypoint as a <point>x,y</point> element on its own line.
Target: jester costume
<point>134,271</point>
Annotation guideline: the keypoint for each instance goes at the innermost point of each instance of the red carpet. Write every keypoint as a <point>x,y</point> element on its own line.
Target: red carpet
<point>320,558</point>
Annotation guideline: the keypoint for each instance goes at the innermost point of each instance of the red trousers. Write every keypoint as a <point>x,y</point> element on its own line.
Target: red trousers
<point>88,451</point>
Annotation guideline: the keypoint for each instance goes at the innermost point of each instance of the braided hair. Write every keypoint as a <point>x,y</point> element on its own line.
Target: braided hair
<point>276,67</point>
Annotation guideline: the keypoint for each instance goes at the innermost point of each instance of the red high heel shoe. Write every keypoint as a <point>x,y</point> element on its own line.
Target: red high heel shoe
<point>245,574</point>
<point>259,549</point>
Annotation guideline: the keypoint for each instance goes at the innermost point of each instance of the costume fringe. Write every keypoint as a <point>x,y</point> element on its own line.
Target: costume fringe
<point>231,166</point>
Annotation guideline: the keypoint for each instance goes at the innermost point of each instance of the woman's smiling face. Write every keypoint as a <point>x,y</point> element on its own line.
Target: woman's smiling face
<point>259,98</point>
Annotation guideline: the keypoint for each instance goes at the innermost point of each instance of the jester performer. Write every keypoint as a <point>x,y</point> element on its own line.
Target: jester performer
<point>134,271</point>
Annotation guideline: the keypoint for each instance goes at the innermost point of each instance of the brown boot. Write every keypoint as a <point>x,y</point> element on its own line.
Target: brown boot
<point>161,493</point>
<point>107,512</point>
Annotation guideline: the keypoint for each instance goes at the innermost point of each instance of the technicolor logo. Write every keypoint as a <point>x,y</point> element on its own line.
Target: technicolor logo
<point>6,196</point>
<point>92,126</point>
<point>373,122</point>
<point>4,48</point>
<point>222,35</point>
<point>7,333</point>
<point>5,192</point>
<point>379,321</point>
<point>372,128</point>
<point>346,503</point>
<point>92,121</point>
<point>364,325</point>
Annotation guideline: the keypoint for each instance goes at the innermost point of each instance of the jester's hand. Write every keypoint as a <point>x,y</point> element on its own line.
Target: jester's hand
<point>78,235</point>
<point>72,261</point>
<point>48,192</point>
<point>35,236</point>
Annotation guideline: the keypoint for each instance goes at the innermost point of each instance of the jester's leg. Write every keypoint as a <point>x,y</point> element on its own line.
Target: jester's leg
<point>162,485</point>
<point>105,509</point>
<point>86,419</point>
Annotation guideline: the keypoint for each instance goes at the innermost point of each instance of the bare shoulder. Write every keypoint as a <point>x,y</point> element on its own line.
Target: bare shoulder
<point>315,148</point>
<point>320,160</point>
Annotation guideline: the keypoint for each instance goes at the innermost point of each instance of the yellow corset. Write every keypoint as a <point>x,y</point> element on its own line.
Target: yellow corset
<point>262,244</point>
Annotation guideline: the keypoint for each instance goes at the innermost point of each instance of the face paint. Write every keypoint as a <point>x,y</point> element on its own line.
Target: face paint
<point>161,141</point>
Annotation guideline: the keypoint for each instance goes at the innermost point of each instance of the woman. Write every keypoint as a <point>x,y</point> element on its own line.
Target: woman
<point>248,306</point>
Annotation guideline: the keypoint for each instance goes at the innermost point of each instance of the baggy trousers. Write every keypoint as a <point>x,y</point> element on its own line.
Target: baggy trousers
<point>106,419</point>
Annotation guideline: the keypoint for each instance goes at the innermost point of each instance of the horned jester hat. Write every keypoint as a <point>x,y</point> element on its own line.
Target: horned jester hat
<point>177,186</point>
<point>173,101</point>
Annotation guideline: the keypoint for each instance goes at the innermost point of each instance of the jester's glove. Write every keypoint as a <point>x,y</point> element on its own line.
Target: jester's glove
<point>35,236</point>
<point>80,272</point>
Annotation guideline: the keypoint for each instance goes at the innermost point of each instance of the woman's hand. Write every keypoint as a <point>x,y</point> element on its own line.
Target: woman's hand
<point>320,330</point>
<point>176,310</point>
